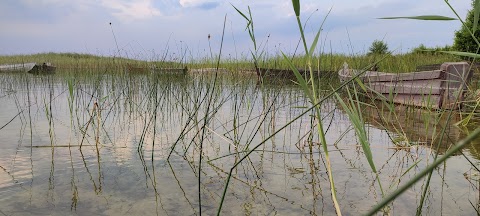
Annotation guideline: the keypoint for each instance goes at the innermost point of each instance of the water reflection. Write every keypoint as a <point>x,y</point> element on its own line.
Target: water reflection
<point>98,144</point>
<point>408,126</point>
<point>413,125</point>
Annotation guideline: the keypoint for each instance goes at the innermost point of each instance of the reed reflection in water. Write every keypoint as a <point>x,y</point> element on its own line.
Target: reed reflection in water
<point>99,143</point>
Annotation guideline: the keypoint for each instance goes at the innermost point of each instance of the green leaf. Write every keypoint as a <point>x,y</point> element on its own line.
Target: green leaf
<point>296,7</point>
<point>465,54</point>
<point>241,13</point>
<point>314,43</point>
<point>301,81</point>
<point>315,40</point>
<point>476,9</point>
<point>425,17</point>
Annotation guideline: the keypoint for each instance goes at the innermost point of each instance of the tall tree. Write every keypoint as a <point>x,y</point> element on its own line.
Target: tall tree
<point>463,40</point>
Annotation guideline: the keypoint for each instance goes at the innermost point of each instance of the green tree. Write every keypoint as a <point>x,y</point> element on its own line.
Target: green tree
<point>421,48</point>
<point>378,47</point>
<point>463,40</point>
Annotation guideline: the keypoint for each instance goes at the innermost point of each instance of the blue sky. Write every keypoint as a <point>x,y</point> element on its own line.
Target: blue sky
<point>147,29</point>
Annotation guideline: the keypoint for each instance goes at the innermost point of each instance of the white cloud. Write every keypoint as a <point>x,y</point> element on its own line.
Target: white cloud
<point>42,2</point>
<point>73,5</point>
<point>130,10</point>
<point>192,3</point>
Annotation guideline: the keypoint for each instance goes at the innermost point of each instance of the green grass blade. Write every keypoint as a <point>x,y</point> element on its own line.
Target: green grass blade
<point>302,34</point>
<point>296,7</point>
<point>465,54</point>
<point>240,13</point>
<point>409,168</point>
<point>315,40</point>
<point>314,43</point>
<point>476,9</point>
<point>424,17</point>
<point>301,81</point>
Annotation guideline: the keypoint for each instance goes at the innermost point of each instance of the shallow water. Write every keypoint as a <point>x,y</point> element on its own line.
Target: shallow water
<point>127,126</point>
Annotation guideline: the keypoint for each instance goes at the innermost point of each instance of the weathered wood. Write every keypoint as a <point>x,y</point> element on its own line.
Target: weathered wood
<point>142,70</point>
<point>287,73</point>
<point>17,67</point>
<point>31,67</point>
<point>45,68</point>
<point>442,88</point>
<point>456,79</point>
<point>170,70</point>
<point>422,87</point>
<point>431,101</point>
<point>374,76</point>
<point>428,67</point>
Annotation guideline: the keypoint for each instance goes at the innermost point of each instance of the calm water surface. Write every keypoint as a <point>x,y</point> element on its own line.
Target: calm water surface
<point>127,127</point>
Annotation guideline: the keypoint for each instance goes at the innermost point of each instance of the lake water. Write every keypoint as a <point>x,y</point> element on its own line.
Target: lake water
<point>100,145</point>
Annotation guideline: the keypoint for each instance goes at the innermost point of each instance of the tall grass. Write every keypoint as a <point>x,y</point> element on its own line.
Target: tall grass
<point>326,63</point>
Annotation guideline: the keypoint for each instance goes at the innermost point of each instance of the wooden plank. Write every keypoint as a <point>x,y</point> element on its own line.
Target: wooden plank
<point>288,73</point>
<point>422,87</point>
<point>457,75</point>
<point>373,76</point>
<point>428,101</point>
<point>428,67</point>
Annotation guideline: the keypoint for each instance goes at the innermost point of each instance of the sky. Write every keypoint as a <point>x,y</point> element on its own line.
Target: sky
<point>172,29</point>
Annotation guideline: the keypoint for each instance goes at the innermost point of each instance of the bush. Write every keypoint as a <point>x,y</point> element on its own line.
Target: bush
<point>463,40</point>
<point>420,49</point>
<point>431,50</point>
<point>378,47</point>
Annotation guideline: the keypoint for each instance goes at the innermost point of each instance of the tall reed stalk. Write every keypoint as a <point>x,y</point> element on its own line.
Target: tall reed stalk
<point>210,102</point>
<point>251,33</point>
<point>310,89</point>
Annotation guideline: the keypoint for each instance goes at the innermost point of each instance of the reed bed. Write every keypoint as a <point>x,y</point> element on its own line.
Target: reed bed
<point>324,62</point>
<point>170,118</point>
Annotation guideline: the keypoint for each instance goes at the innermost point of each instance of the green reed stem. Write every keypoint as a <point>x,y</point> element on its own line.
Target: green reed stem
<point>312,95</point>
<point>205,122</point>
<point>462,143</point>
